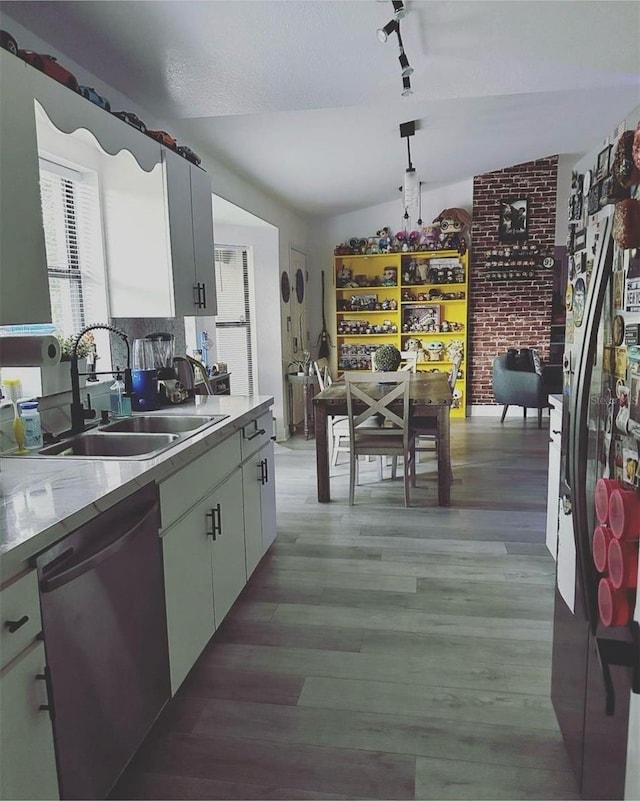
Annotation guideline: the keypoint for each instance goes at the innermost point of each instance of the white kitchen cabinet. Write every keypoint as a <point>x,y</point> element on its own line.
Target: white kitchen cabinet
<point>204,566</point>
<point>27,760</point>
<point>186,551</point>
<point>553,479</point>
<point>258,478</point>
<point>223,511</point>
<point>24,294</point>
<point>190,215</point>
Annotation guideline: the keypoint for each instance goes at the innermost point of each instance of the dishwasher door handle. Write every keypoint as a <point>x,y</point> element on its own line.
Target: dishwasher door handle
<point>73,571</point>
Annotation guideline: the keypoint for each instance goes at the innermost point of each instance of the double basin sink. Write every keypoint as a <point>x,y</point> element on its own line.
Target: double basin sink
<point>137,437</point>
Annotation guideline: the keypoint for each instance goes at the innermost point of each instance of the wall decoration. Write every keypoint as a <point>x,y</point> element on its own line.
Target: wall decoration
<point>513,222</point>
<point>579,296</point>
<point>285,289</point>
<point>602,166</point>
<point>299,285</point>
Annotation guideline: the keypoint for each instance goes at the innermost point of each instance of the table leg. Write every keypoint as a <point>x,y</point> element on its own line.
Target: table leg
<point>322,454</point>
<point>305,401</point>
<point>444,457</point>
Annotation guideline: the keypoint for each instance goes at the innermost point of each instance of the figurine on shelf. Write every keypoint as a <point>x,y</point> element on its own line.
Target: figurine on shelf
<point>390,276</point>
<point>455,227</point>
<point>384,241</point>
<point>403,240</point>
<point>430,237</point>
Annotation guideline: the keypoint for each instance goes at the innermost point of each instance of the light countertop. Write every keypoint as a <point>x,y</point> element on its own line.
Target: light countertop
<point>44,498</point>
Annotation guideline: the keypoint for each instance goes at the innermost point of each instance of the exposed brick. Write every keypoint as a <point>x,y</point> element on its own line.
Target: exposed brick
<point>503,313</point>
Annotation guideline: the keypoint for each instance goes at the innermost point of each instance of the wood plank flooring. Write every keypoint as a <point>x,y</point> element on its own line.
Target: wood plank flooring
<point>378,651</point>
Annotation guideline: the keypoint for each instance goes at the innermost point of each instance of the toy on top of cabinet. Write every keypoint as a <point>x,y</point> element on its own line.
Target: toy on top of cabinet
<point>455,227</point>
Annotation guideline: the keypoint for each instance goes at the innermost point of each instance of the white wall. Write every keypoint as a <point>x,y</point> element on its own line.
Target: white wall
<point>263,239</point>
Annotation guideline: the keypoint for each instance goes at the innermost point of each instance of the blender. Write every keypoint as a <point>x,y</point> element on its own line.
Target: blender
<point>144,377</point>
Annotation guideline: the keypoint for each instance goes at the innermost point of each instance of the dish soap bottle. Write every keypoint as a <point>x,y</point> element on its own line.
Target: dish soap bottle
<point>32,426</point>
<point>120,403</point>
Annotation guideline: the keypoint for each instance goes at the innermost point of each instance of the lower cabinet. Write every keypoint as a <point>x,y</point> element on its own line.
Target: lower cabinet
<point>212,547</point>
<point>258,479</point>
<point>27,760</point>
<point>204,566</point>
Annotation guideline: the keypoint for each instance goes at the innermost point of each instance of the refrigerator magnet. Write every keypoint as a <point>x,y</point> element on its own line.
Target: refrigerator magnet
<point>579,296</point>
<point>618,329</point>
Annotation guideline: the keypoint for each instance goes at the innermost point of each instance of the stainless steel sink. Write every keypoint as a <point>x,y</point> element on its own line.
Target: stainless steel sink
<point>165,424</point>
<point>110,445</point>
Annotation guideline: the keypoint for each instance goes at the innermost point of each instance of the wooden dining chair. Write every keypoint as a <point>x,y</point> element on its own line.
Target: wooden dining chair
<point>378,429</point>
<point>409,361</point>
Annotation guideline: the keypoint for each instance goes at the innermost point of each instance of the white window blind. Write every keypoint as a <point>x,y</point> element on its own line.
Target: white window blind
<point>233,320</point>
<point>75,259</point>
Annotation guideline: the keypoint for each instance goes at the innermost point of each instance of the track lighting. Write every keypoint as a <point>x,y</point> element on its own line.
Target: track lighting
<point>389,28</point>
<point>399,11</point>
<point>407,69</point>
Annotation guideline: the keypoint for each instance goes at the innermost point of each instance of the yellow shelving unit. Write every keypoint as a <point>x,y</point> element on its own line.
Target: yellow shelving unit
<point>395,298</point>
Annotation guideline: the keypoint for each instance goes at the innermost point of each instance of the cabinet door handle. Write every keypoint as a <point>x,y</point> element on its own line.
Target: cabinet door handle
<point>266,470</point>
<point>262,470</point>
<point>204,296</point>
<point>14,625</point>
<point>257,433</point>
<point>46,678</point>
<point>212,533</point>
<point>218,514</point>
<point>196,296</point>
<point>556,432</point>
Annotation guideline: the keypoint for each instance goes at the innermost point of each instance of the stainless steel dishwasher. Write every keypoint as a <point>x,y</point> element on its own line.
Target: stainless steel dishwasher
<point>105,634</point>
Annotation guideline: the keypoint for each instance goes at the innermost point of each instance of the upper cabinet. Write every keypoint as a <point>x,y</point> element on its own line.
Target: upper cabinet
<point>189,205</point>
<point>156,206</point>
<point>24,289</point>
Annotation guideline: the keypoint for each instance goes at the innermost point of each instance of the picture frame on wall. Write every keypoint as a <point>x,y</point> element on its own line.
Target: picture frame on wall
<point>513,220</point>
<point>602,164</point>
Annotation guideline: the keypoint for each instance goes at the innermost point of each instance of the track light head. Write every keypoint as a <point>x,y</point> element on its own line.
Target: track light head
<point>389,28</point>
<point>399,11</point>
<point>406,86</point>
<point>407,69</point>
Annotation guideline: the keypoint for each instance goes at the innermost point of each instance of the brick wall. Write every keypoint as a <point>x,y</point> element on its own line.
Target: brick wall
<point>513,313</point>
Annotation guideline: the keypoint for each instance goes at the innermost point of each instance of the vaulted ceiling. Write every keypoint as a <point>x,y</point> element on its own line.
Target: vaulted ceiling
<point>303,97</point>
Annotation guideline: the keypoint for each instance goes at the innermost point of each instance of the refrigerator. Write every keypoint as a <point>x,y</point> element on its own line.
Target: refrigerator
<point>595,686</point>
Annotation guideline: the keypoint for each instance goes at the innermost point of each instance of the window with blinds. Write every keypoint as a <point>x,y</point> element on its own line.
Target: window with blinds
<point>234,336</point>
<point>75,258</point>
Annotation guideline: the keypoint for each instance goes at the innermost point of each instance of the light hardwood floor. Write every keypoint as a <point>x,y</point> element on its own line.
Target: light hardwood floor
<point>378,651</point>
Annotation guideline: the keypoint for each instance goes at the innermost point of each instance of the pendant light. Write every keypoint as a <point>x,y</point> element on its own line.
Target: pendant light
<point>411,190</point>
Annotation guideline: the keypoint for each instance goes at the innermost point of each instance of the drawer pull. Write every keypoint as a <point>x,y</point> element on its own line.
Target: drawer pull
<point>216,521</point>
<point>257,433</point>
<point>14,625</point>
<point>48,707</point>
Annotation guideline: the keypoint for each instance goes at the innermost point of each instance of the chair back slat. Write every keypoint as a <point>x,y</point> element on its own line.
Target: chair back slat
<point>395,389</point>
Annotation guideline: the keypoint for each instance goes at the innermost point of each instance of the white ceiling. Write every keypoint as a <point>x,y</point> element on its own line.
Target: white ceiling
<point>301,96</point>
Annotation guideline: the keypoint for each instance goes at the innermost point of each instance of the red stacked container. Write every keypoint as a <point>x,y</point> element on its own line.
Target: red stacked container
<point>615,550</point>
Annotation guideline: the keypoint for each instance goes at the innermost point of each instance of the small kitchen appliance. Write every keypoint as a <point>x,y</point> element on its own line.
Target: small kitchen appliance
<point>169,388</point>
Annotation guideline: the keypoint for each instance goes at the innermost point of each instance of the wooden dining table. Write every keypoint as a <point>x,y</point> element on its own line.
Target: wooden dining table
<point>430,397</point>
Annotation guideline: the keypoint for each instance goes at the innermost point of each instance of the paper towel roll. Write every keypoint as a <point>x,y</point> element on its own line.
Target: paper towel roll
<point>34,351</point>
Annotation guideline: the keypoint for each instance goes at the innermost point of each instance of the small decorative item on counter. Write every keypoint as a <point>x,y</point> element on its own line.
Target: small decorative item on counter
<point>31,425</point>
